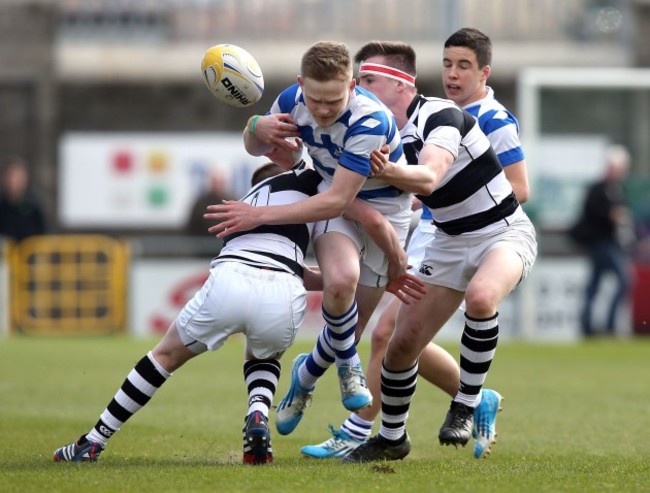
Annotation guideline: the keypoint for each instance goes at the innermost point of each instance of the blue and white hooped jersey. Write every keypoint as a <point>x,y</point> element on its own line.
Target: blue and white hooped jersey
<point>365,125</point>
<point>500,126</point>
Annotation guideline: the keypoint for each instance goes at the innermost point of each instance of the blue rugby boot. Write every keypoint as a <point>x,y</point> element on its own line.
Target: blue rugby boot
<point>339,445</point>
<point>355,394</point>
<point>291,407</point>
<point>485,417</point>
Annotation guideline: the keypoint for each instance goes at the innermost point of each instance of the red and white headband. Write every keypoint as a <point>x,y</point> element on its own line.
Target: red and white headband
<point>386,71</point>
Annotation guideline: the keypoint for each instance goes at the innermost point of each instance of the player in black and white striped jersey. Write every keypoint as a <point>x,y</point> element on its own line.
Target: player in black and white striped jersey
<point>255,287</point>
<point>484,246</point>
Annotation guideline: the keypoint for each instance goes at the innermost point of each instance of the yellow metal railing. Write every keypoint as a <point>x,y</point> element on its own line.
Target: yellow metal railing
<point>68,285</point>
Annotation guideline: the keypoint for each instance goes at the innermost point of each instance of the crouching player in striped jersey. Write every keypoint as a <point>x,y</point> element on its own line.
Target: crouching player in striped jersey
<point>484,245</point>
<point>255,287</point>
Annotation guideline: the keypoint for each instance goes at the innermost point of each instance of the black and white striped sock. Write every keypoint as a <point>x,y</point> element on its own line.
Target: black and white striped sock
<point>261,377</point>
<point>477,347</point>
<point>139,387</point>
<point>397,390</point>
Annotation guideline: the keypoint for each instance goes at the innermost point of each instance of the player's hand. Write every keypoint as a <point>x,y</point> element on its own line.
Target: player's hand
<point>379,160</point>
<point>407,288</point>
<point>285,158</point>
<point>397,266</point>
<point>279,131</point>
<point>234,215</point>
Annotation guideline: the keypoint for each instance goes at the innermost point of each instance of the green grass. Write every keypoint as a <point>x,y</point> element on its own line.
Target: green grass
<point>575,419</point>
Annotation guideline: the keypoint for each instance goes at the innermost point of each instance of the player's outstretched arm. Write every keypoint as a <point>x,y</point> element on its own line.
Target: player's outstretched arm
<point>238,216</point>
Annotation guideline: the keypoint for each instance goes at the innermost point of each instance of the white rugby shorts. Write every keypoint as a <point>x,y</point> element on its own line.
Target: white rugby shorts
<point>422,235</point>
<point>374,264</point>
<point>452,261</point>
<point>267,306</point>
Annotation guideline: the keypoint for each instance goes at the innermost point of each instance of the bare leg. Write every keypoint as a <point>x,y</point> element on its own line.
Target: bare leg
<point>170,352</point>
<point>440,368</point>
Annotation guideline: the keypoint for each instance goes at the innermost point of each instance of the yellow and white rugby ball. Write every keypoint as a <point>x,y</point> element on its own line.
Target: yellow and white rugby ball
<point>232,75</point>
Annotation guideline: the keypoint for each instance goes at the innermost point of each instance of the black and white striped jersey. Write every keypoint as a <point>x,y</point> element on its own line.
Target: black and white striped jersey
<point>281,246</point>
<point>474,195</point>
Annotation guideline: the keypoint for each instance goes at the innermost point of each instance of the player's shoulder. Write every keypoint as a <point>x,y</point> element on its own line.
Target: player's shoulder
<point>298,178</point>
<point>307,180</point>
<point>289,97</point>
<point>428,107</point>
<point>490,108</point>
<point>306,174</point>
<point>365,110</point>
<point>366,96</point>
<point>493,116</point>
<point>435,102</point>
<point>363,102</point>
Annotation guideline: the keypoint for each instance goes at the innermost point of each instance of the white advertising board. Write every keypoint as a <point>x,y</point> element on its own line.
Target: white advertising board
<point>544,308</point>
<point>144,180</point>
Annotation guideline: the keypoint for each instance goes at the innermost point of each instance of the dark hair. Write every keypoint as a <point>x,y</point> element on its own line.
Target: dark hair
<point>476,41</point>
<point>325,61</point>
<point>398,54</point>
<point>265,171</point>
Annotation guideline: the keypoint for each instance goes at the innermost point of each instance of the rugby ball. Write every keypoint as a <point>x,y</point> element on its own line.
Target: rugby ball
<point>232,75</point>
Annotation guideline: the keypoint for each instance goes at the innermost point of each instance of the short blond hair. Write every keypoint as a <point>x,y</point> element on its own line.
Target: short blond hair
<point>327,60</point>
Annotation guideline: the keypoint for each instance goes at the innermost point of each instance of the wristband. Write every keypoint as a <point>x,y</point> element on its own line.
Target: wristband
<point>251,124</point>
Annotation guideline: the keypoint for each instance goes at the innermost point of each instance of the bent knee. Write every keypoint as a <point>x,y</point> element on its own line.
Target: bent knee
<point>340,289</point>
<point>481,303</point>
<point>403,347</point>
<point>381,335</point>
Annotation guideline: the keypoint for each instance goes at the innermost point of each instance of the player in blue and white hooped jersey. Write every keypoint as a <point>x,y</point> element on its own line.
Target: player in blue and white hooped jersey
<point>467,59</point>
<point>484,246</point>
<point>340,125</point>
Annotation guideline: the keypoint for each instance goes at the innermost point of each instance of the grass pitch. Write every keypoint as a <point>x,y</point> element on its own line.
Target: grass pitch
<point>575,419</point>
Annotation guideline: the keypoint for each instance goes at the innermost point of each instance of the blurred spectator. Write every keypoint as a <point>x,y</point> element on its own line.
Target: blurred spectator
<point>21,211</point>
<point>606,231</point>
<point>218,190</point>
